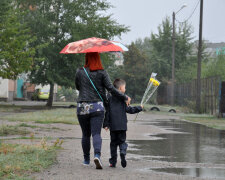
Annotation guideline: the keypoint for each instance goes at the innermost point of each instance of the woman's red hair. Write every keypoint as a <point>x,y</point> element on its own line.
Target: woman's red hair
<point>93,61</point>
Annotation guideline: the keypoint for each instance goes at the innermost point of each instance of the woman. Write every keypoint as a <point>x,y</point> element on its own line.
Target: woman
<point>90,108</point>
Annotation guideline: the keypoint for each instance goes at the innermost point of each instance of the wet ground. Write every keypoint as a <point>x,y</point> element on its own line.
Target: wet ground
<point>198,144</point>
<point>160,147</point>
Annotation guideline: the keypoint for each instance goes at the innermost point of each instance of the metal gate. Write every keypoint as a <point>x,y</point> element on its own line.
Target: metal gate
<point>222,99</point>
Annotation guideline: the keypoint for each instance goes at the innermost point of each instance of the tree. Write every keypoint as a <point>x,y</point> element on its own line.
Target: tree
<point>56,23</point>
<point>161,54</point>
<point>135,72</point>
<point>68,94</point>
<point>158,51</point>
<point>215,67</point>
<point>15,40</point>
<point>144,46</point>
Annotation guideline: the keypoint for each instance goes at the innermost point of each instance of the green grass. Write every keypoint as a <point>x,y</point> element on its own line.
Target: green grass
<point>19,129</point>
<point>29,138</point>
<point>9,108</point>
<point>204,119</point>
<point>40,127</point>
<point>66,116</point>
<point>207,120</point>
<point>64,103</point>
<point>163,108</point>
<point>6,130</point>
<point>19,161</point>
<point>27,125</point>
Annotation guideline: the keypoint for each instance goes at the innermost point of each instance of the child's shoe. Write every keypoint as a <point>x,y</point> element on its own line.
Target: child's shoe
<point>86,162</point>
<point>123,161</point>
<point>98,162</point>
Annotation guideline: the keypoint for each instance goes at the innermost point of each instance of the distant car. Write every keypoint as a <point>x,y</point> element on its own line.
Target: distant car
<point>40,94</point>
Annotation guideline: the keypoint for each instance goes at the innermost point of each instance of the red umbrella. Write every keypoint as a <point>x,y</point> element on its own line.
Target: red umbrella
<point>93,45</point>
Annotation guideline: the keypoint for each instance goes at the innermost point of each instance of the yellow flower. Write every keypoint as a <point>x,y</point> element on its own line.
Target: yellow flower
<point>154,82</point>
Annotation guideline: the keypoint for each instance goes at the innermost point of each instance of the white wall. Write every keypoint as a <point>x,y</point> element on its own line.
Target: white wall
<point>4,86</point>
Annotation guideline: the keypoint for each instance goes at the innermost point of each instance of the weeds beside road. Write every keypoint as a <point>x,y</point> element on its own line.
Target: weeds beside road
<point>209,121</point>
<point>66,116</point>
<point>18,161</point>
<point>183,112</point>
<point>6,130</point>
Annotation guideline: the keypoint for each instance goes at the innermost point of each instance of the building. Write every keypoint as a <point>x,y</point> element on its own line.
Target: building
<point>19,89</point>
<point>10,89</point>
<point>213,49</point>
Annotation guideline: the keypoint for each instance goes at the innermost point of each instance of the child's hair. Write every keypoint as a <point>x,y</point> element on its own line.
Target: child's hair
<point>118,82</point>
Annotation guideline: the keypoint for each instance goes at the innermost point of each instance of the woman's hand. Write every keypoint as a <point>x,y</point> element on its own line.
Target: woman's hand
<point>128,100</point>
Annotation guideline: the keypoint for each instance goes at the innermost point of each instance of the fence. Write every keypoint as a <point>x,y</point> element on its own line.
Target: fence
<point>185,94</point>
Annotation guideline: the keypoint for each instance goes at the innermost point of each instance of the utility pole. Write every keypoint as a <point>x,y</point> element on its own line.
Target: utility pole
<point>198,98</point>
<point>173,53</point>
<point>173,61</point>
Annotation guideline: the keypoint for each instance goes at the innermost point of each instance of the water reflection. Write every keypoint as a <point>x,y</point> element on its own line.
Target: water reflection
<point>194,172</point>
<point>199,144</point>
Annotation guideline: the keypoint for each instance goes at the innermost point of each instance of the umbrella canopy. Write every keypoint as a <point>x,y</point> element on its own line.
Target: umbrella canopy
<point>93,45</point>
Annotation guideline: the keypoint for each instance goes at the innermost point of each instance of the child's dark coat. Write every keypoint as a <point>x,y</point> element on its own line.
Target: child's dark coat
<point>115,117</point>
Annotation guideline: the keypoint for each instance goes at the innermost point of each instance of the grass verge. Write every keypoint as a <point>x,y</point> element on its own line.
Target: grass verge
<point>204,119</point>
<point>9,108</point>
<point>163,108</point>
<point>66,116</point>
<point>19,161</point>
<point>39,127</point>
<point>6,130</point>
<point>209,121</point>
<point>64,103</point>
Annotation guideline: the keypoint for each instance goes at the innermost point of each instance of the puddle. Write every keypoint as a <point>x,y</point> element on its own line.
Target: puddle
<point>194,172</point>
<point>197,144</point>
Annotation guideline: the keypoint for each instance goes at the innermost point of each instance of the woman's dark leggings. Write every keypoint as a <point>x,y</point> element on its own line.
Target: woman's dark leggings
<point>91,124</point>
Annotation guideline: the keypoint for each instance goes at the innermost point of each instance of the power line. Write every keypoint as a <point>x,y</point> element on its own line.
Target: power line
<point>190,14</point>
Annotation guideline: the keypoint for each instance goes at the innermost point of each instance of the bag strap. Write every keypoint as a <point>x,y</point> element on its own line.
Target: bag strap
<point>93,84</point>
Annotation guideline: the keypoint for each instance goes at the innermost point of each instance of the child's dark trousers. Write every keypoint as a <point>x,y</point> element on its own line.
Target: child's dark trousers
<point>118,138</point>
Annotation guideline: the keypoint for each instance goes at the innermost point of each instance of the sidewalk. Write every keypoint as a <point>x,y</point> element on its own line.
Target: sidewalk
<point>69,166</point>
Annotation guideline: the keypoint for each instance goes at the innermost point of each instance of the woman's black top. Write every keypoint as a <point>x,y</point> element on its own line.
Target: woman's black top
<point>102,82</point>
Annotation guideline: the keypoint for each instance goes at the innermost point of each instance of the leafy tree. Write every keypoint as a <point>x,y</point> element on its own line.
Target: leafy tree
<point>144,46</point>
<point>158,51</point>
<point>188,68</point>
<point>56,23</point>
<point>215,67</point>
<point>15,39</point>
<point>68,93</point>
<point>162,49</point>
<point>135,72</point>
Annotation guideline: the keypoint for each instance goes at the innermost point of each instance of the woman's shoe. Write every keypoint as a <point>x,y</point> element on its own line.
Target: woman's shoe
<point>98,162</point>
<point>112,165</point>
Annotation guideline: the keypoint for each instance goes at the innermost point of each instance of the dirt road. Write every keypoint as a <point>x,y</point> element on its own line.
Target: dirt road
<point>69,160</point>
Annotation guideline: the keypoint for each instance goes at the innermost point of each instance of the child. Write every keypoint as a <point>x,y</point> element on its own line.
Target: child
<point>116,121</point>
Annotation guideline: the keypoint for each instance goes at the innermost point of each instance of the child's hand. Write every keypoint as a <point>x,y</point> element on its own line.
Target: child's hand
<point>106,129</point>
<point>128,101</point>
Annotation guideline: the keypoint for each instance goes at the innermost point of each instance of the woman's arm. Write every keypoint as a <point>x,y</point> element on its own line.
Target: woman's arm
<point>77,83</point>
<point>109,86</point>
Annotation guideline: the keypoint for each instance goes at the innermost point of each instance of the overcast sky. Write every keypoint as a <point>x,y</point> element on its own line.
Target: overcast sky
<point>144,16</point>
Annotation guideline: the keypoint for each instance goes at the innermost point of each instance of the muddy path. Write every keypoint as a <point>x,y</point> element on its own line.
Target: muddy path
<point>141,165</point>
